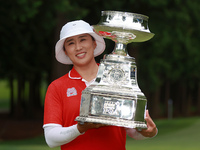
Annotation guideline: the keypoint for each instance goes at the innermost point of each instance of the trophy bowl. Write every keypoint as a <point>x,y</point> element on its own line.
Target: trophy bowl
<point>115,97</point>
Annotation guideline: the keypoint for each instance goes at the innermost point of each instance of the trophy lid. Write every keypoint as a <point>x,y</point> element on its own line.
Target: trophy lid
<point>125,20</point>
<point>117,25</point>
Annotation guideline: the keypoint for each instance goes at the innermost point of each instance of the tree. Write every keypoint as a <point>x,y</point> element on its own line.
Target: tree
<point>28,39</point>
<point>174,56</point>
<point>168,64</point>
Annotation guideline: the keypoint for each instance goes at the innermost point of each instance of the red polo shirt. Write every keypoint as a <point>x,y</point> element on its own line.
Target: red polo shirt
<point>62,106</point>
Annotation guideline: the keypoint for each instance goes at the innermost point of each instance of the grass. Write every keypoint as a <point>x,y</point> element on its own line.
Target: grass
<point>175,134</point>
<point>28,144</point>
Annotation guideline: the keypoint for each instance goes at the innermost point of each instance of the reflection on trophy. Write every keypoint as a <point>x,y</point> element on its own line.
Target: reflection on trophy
<point>115,98</point>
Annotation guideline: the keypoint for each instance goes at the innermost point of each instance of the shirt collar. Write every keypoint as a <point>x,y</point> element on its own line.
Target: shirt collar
<point>88,83</point>
<point>73,74</point>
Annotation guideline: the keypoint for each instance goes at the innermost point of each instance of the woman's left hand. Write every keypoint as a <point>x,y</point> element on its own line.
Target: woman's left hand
<point>151,130</point>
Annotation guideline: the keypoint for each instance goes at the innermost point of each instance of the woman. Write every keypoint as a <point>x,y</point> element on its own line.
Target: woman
<point>78,45</point>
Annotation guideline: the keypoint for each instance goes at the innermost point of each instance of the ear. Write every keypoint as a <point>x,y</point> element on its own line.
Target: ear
<point>64,50</point>
<point>95,44</point>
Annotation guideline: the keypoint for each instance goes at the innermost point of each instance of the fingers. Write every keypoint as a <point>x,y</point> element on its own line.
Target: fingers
<point>147,113</point>
<point>151,127</point>
<point>83,127</point>
<point>93,125</point>
<point>99,125</point>
<point>149,120</point>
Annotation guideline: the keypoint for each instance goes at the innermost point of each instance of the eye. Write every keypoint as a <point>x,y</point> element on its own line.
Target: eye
<point>83,39</point>
<point>70,43</point>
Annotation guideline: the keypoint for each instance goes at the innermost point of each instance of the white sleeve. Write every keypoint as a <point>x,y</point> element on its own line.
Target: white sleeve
<point>56,135</point>
<point>133,133</point>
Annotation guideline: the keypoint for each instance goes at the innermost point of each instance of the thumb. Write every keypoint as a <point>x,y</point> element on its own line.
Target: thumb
<point>149,120</point>
<point>147,114</point>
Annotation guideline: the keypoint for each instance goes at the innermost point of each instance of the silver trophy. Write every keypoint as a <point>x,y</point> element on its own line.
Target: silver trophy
<point>115,98</point>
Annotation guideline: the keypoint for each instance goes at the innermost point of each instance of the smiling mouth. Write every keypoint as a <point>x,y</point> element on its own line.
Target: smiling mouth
<point>80,55</point>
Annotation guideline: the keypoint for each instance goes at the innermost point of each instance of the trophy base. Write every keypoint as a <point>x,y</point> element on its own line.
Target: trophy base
<point>114,122</point>
<point>114,98</point>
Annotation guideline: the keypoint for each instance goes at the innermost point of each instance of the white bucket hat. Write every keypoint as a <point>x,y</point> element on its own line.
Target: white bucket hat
<point>75,28</point>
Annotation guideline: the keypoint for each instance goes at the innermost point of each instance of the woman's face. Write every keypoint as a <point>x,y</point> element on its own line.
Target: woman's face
<point>80,49</point>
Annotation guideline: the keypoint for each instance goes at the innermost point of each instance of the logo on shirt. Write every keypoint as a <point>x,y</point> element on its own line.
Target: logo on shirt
<point>71,92</point>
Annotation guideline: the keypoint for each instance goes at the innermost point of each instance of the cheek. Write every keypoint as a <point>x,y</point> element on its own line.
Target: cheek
<point>68,50</point>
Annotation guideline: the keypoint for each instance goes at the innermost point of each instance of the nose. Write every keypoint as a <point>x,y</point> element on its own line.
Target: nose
<point>78,46</point>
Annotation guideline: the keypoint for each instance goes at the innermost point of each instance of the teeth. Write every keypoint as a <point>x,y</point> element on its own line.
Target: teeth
<point>81,54</point>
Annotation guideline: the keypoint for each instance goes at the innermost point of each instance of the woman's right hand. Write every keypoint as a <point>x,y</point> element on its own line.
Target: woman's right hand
<point>83,127</point>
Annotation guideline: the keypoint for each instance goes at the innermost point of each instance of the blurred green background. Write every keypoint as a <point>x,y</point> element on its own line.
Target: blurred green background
<point>175,134</point>
<point>168,64</point>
